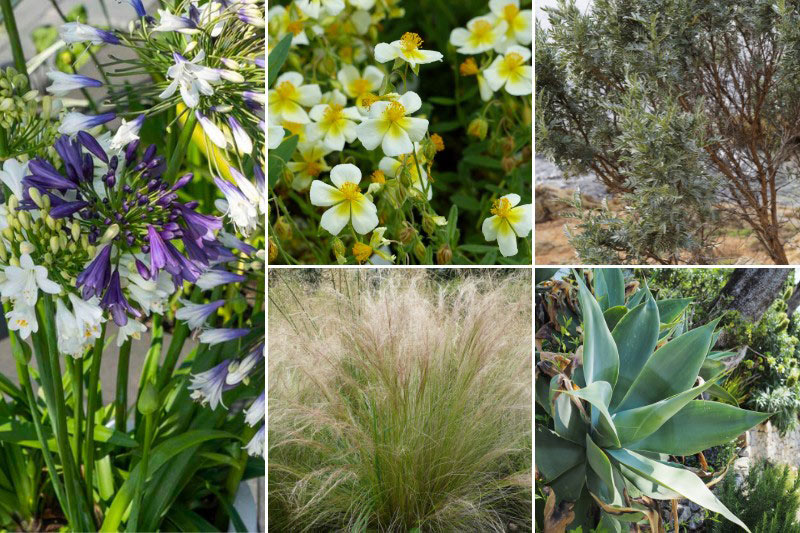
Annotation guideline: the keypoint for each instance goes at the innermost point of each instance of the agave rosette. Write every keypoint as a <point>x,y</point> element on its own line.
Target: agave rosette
<point>631,405</point>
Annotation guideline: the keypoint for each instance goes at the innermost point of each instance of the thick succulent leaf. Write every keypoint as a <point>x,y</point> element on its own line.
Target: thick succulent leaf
<point>637,298</point>
<point>715,391</point>
<point>609,287</point>
<point>583,513</point>
<point>608,485</point>
<point>676,479</point>
<point>555,455</point>
<point>567,419</point>
<point>711,367</point>
<point>600,357</point>
<point>671,369</point>
<point>613,315</point>
<point>699,426</point>
<point>634,425</point>
<point>544,274</point>
<point>635,335</point>
<point>670,309</point>
<point>542,392</point>
<point>598,394</point>
<point>638,485</point>
<point>569,485</point>
<point>608,524</point>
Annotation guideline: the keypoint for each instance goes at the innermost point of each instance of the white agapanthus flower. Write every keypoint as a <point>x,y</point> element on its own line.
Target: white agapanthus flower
<point>333,123</point>
<point>511,72</point>
<point>510,221</point>
<point>88,316</point>
<point>64,83</point>
<point>132,330</point>
<point>289,96</point>
<point>389,125</point>
<point>195,315</point>
<point>127,132</point>
<point>68,334</point>
<point>74,121</point>
<point>211,130</point>
<point>256,445</point>
<point>171,22</point>
<point>22,319</point>
<point>12,174</point>
<point>192,78</point>
<point>23,282</point>
<point>347,201</point>
<point>407,48</point>
<point>255,413</point>
<point>481,35</point>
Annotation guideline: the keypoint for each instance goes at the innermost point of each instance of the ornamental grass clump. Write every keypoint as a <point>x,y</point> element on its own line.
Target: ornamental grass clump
<point>399,402</point>
<point>630,398</point>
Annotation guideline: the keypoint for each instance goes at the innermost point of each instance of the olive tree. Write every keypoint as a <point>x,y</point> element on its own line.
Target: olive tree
<point>685,108</point>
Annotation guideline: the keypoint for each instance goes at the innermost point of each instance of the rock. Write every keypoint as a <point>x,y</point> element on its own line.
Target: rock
<point>694,507</point>
<point>684,513</point>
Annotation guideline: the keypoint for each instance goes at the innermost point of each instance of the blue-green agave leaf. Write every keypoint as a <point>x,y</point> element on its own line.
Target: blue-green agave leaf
<point>600,357</point>
<point>635,335</point>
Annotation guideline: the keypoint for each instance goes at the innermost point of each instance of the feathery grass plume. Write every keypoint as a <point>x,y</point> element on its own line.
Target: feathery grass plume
<point>400,400</point>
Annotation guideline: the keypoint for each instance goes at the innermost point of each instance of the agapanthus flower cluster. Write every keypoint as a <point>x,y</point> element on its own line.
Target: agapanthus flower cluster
<point>206,58</point>
<point>243,207</point>
<point>25,115</point>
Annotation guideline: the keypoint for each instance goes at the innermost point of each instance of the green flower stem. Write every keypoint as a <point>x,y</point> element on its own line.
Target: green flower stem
<point>237,471</point>
<point>3,144</point>
<point>121,401</point>
<point>76,375</point>
<point>50,369</point>
<point>179,336</point>
<point>13,36</point>
<point>140,482</point>
<point>91,408</point>
<point>183,143</point>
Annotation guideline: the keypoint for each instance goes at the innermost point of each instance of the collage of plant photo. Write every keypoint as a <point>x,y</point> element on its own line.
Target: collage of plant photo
<point>666,333</point>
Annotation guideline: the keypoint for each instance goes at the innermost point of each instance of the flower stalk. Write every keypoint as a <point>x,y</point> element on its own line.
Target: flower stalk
<point>91,408</point>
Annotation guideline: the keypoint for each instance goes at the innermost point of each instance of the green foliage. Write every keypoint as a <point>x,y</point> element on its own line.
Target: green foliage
<point>611,437</point>
<point>770,503</point>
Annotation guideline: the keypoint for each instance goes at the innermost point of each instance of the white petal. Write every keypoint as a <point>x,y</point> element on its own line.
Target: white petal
<point>295,78</point>
<point>396,142</point>
<point>512,198</point>
<point>347,75</point>
<point>335,218</point>
<point>490,228</point>
<point>371,132</point>
<point>459,36</point>
<point>506,240</point>
<point>492,75</point>
<point>341,174</point>
<point>385,52</point>
<point>364,216</point>
<point>522,85</point>
<point>522,225</point>
<point>389,166</point>
<point>416,128</point>
<point>324,195</point>
<point>309,95</point>
<point>411,102</point>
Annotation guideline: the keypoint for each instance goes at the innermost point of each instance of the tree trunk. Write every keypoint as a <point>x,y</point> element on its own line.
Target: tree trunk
<point>794,301</point>
<point>750,291</point>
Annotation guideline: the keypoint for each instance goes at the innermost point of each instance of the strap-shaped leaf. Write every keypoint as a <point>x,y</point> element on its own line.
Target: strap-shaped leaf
<point>635,335</point>
<point>600,357</point>
<point>613,315</point>
<point>634,425</point>
<point>715,391</point>
<point>637,298</point>
<point>569,485</point>
<point>598,394</point>
<point>676,479</point>
<point>671,309</point>
<point>671,369</point>
<point>609,287</point>
<point>610,485</point>
<point>699,426</point>
<point>638,485</point>
<point>555,455</point>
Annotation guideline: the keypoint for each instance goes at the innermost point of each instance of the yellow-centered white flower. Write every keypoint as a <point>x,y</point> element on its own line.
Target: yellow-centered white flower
<point>333,122</point>
<point>389,125</point>
<point>357,85</point>
<point>511,72</point>
<point>280,23</point>
<point>348,204</point>
<point>313,8</point>
<point>509,222</point>
<point>406,48</point>
<point>481,34</point>
<point>394,167</point>
<point>310,165</point>
<point>290,96</point>
<point>518,22</point>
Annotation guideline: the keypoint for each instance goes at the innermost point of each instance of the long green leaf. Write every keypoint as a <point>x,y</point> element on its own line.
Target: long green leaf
<point>676,479</point>
<point>635,424</point>
<point>555,455</point>
<point>161,454</point>
<point>635,335</point>
<point>598,394</point>
<point>671,309</point>
<point>613,315</point>
<point>600,357</point>
<point>277,58</point>
<point>569,485</point>
<point>672,369</point>
<point>567,420</point>
<point>609,287</point>
<point>699,426</point>
<point>609,491</point>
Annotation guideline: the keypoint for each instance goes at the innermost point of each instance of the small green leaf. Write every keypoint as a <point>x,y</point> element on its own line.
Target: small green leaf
<point>277,58</point>
<point>613,315</point>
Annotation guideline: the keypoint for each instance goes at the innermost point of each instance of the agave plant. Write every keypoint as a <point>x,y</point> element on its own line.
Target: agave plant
<point>633,401</point>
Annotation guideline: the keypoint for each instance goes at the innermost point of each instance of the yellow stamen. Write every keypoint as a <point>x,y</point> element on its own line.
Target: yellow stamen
<point>295,27</point>
<point>513,61</point>
<point>313,168</point>
<point>378,177</point>
<point>395,111</point>
<point>359,86</point>
<point>294,127</point>
<point>285,90</point>
<point>438,142</point>
<point>333,113</point>
<point>481,29</point>
<point>351,191</point>
<point>21,322</point>
<point>362,251</point>
<point>501,208</point>
<point>510,12</point>
<point>468,67</point>
<point>368,99</point>
<point>411,41</point>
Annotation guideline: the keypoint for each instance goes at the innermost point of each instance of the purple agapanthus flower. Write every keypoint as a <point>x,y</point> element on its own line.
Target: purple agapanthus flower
<point>96,276</point>
<point>116,303</point>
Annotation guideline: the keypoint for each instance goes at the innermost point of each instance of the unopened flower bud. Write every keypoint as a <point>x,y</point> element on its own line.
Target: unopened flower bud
<point>478,128</point>
<point>407,232</point>
<point>148,399</point>
<point>283,229</point>
<point>48,258</point>
<point>419,251</point>
<point>110,234</point>
<point>3,253</point>
<point>24,219</point>
<point>76,230</point>
<point>36,196</point>
<point>45,202</point>
<point>444,255</point>
<point>428,224</point>
<point>50,221</point>
<point>273,250</point>
<point>26,248</point>
<point>362,252</point>
<point>508,164</point>
<point>54,244</point>
<point>338,247</point>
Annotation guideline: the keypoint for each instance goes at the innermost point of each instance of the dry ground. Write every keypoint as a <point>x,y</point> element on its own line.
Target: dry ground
<point>737,246</point>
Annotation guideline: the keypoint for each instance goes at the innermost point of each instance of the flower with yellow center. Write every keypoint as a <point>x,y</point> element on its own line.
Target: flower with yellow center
<point>333,122</point>
<point>508,222</point>
<point>290,96</point>
<point>407,49</point>
<point>518,22</point>
<point>389,125</point>
<point>313,8</point>
<point>394,168</point>
<point>309,163</point>
<point>357,85</point>
<point>482,34</point>
<point>281,23</point>
<point>347,201</point>
<point>510,70</point>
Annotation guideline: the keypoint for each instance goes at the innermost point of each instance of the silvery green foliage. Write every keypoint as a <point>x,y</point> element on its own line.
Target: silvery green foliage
<point>629,404</point>
<point>674,104</point>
